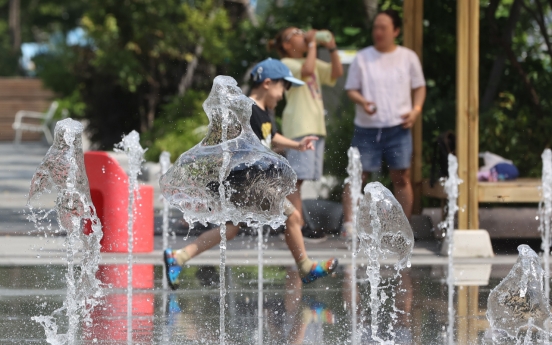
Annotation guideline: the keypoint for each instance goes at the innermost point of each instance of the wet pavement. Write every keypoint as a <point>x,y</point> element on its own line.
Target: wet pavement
<point>32,270</point>
<point>291,313</point>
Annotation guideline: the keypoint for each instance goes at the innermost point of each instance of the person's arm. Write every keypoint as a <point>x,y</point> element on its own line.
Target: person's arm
<point>356,96</point>
<point>337,67</point>
<point>310,62</point>
<point>418,99</point>
<point>303,145</point>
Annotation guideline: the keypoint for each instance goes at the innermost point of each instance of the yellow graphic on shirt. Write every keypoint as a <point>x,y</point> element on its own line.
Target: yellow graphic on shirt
<point>266,130</point>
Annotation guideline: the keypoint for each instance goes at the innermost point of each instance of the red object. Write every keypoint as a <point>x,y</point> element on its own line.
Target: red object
<point>110,320</point>
<point>109,192</point>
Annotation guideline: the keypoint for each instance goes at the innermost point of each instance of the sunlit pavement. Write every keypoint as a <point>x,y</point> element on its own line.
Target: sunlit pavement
<point>40,250</point>
<point>17,166</point>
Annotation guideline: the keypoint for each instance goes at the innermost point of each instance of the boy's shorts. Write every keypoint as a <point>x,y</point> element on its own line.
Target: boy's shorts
<point>307,164</point>
<point>393,144</point>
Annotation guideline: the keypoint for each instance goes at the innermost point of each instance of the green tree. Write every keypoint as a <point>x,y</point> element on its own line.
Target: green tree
<point>144,58</point>
<point>143,43</point>
<point>8,56</point>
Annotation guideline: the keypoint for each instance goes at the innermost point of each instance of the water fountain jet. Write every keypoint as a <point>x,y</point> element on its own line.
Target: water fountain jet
<point>130,145</point>
<point>451,188</point>
<point>383,230</point>
<point>229,175</point>
<point>517,308</point>
<point>545,215</point>
<point>63,169</point>
<point>354,169</point>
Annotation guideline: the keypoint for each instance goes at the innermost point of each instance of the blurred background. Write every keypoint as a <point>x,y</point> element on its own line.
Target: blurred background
<point>148,65</point>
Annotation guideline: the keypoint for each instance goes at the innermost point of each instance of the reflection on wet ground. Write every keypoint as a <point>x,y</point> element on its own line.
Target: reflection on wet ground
<point>318,313</point>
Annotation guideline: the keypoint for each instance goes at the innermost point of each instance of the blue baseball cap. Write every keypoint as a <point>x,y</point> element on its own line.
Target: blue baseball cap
<point>273,69</point>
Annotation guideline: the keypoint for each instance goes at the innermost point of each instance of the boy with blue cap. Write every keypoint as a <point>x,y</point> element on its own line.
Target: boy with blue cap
<point>270,78</point>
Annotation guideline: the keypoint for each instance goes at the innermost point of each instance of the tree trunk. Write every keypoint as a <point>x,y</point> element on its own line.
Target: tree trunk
<point>371,8</point>
<point>540,18</point>
<point>251,13</point>
<point>509,52</point>
<point>153,99</point>
<point>15,24</point>
<point>187,78</point>
<point>500,61</point>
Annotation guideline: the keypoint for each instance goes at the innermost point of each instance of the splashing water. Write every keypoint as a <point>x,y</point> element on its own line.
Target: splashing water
<point>255,179</point>
<point>165,163</point>
<point>229,175</point>
<point>517,308</point>
<point>354,169</point>
<point>130,145</point>
<point>545,215</point>
<point>260,283</point>
<point>222,196</point>
<point>451,188</point>
<point>63,169</point>
<point>383,230</point>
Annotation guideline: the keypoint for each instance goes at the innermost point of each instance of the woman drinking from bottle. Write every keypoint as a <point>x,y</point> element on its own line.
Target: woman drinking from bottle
<point>304,111</point>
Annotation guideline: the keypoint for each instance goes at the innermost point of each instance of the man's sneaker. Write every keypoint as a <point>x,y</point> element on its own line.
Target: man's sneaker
<point>312,236</point>
<point>171,268</point>
<point>319,270</point>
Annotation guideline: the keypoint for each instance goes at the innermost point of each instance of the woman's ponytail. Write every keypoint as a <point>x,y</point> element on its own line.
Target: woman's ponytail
<point>271,45</point>
<point>277,43</point>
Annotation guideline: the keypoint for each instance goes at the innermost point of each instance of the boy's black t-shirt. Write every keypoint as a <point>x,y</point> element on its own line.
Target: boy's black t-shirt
<point>262,125</point>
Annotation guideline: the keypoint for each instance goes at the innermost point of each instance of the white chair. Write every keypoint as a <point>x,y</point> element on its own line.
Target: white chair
<point>46,118</point>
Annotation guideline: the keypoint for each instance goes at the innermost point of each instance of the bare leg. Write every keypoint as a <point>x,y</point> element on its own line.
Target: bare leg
<point>209,239</point>
<point>403,190</point>
<point>294,307</point>
<point>295,199</point>
<point>346,199</point>
<point>294,237</point>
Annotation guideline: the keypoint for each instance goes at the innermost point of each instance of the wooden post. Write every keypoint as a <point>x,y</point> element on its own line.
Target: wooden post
<point>467,111</point>
<point>473,115</point>
<point>462,133</point>
<point>473,314</point>
<point>461,312</point>
<point>408,23</point>
<point>413,16</point>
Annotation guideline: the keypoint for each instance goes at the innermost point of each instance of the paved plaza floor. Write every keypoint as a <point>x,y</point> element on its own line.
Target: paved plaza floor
<point>23,245</point>
<point>278,307</point>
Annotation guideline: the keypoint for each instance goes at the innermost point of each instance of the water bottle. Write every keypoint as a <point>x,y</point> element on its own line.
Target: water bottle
<point>323,36</point>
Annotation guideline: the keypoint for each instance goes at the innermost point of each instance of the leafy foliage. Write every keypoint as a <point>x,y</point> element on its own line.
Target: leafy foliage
<point>180,126</point>
<point>8,58</point>
<point>127,77</point>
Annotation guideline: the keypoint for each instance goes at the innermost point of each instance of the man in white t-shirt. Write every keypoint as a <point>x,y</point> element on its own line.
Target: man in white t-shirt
<point>387,84</point>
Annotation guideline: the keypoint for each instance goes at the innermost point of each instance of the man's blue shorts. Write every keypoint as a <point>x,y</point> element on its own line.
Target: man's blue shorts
<point>392,144</point>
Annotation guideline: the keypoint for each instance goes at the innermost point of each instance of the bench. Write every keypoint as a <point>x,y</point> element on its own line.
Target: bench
<point>522,190</point>
<point>22,123</point>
